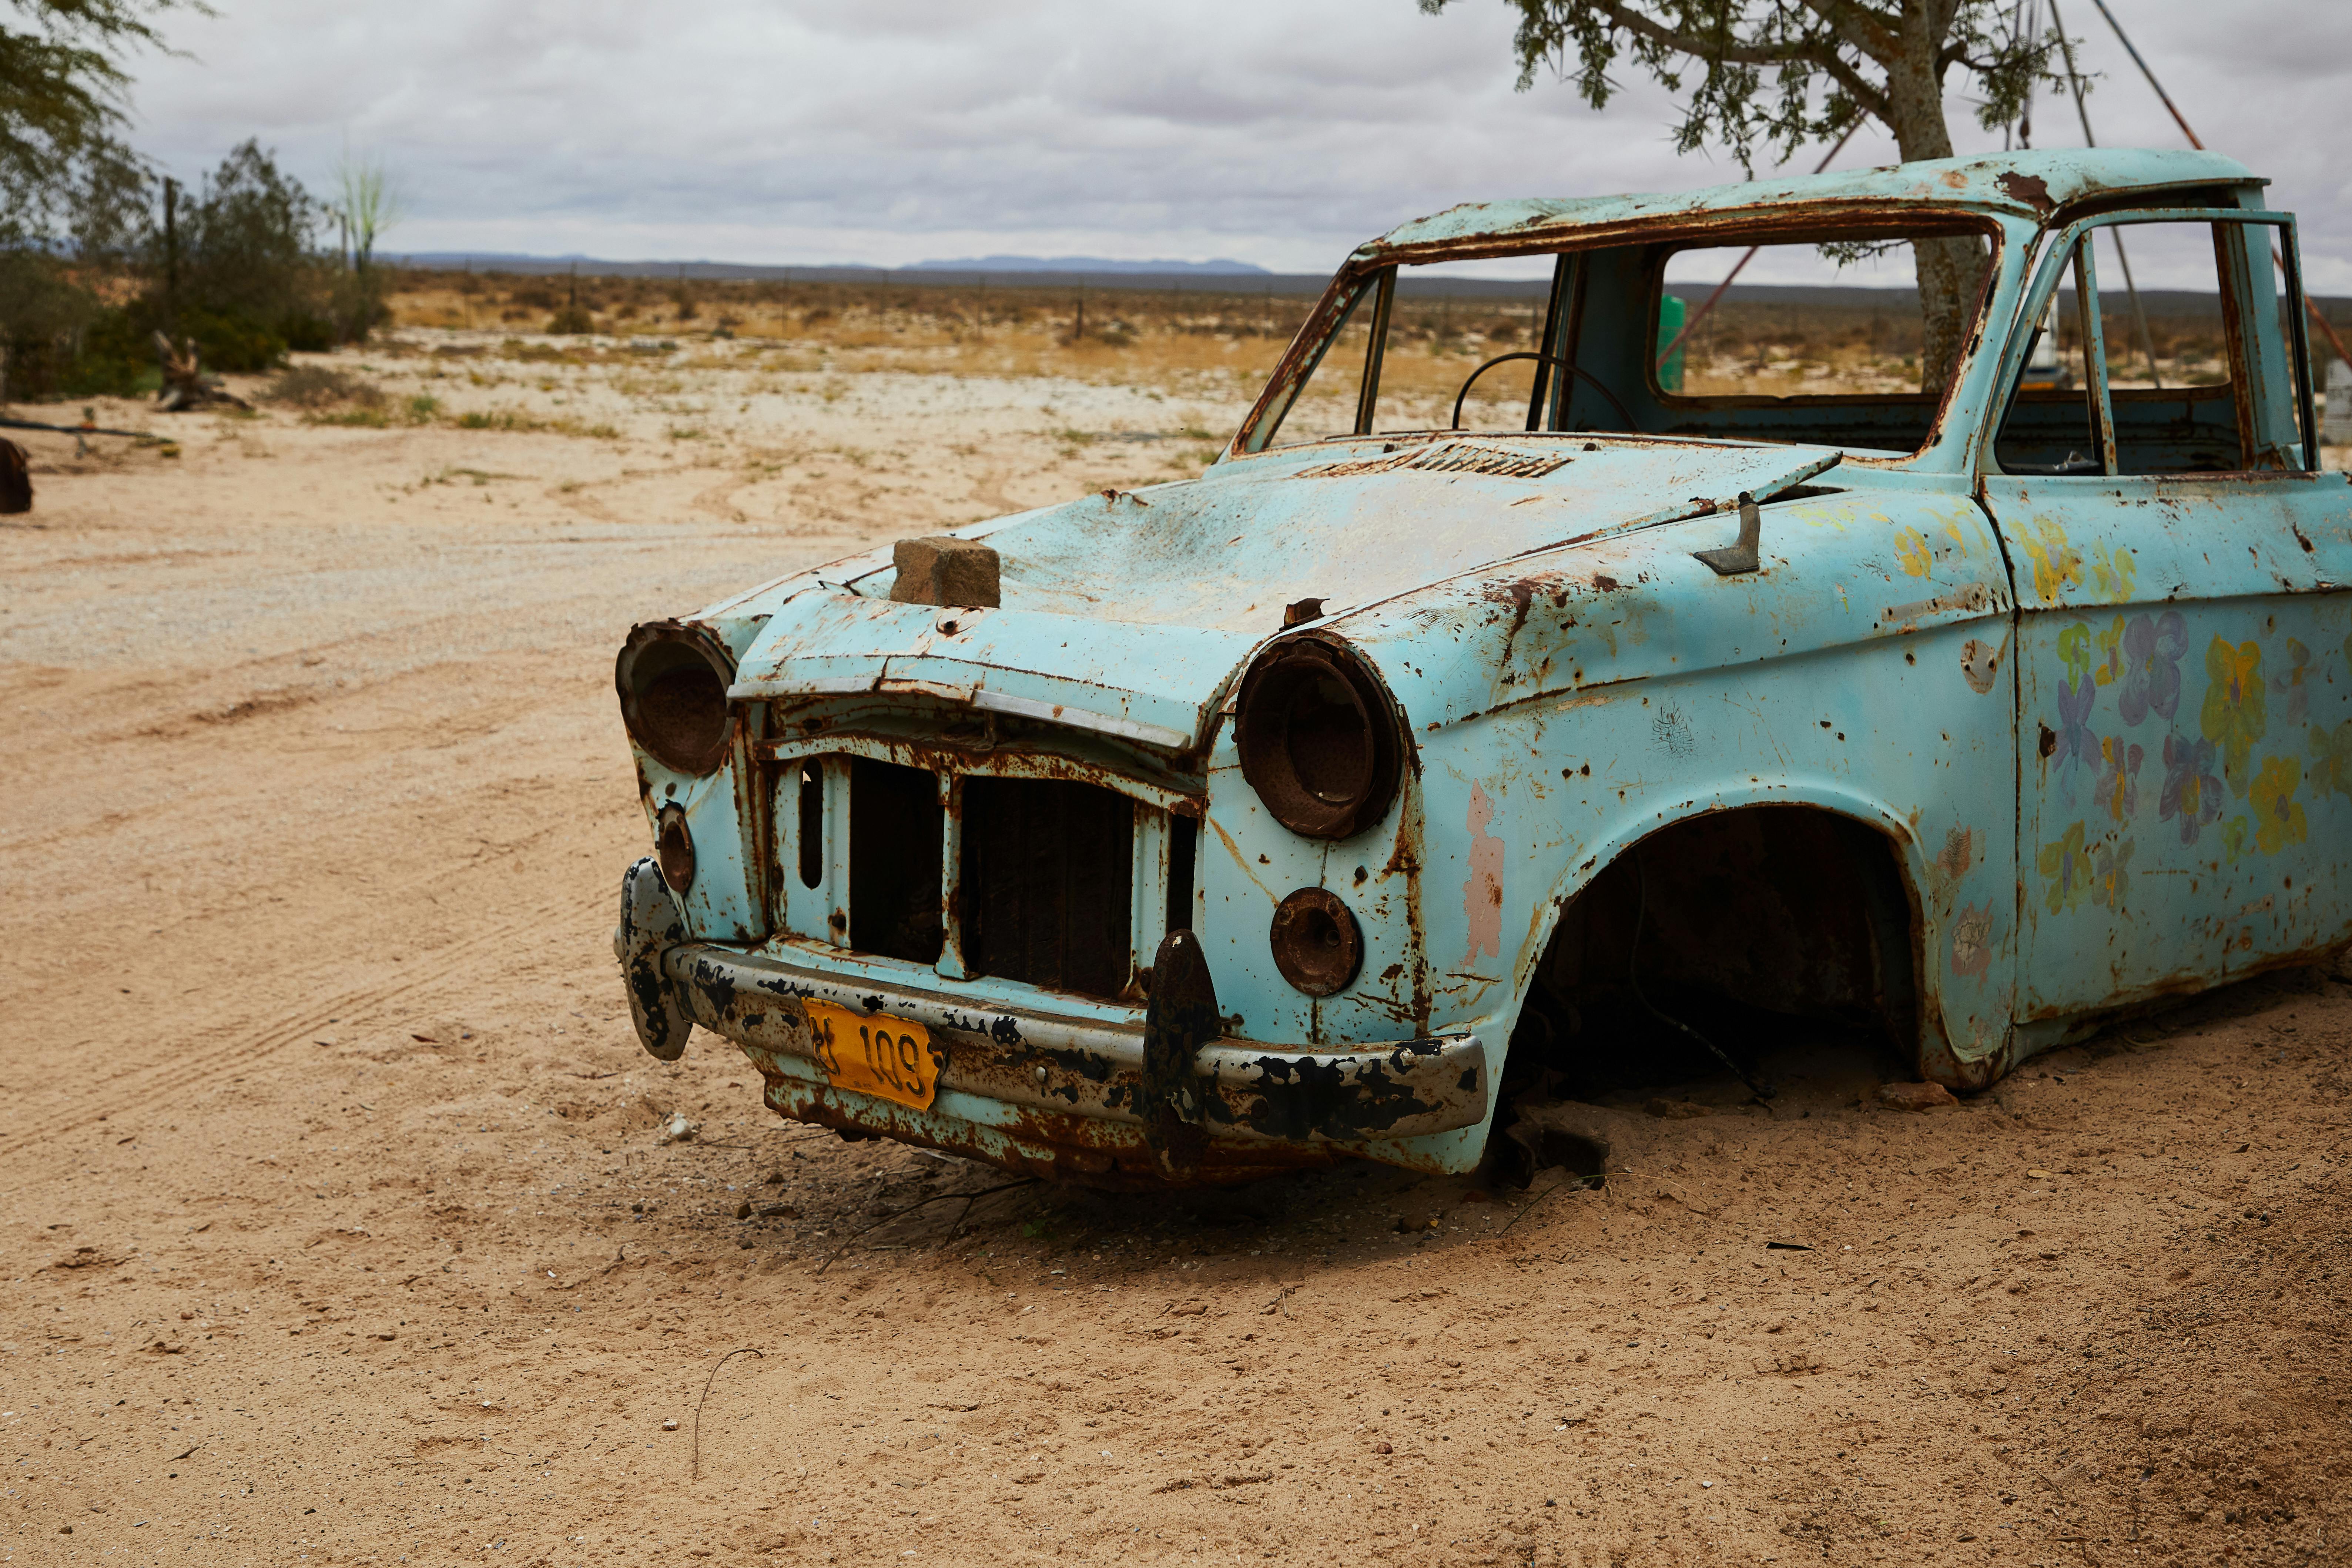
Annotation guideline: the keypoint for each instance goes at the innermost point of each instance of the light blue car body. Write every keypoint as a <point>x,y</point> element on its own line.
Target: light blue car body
<point>2101,723</point>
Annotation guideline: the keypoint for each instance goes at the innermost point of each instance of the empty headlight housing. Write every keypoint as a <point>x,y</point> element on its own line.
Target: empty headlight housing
<point>673,681</point>
<point>1321,738</point>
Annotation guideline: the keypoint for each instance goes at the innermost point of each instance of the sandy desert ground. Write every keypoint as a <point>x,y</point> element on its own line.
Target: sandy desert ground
<point>340,1228</point>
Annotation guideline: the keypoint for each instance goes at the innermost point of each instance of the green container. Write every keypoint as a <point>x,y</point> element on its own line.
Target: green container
<point>1670,327</point>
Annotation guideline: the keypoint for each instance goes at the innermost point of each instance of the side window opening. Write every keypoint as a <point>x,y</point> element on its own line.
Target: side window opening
<point>2167,349</point>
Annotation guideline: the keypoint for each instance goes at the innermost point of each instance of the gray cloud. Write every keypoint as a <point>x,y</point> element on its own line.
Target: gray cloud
<point>894,130</point>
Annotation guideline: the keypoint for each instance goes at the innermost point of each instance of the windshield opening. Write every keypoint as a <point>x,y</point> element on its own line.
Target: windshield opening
<point>1814,337</point>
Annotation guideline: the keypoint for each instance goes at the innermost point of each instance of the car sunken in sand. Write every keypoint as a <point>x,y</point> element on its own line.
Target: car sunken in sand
<point>1424,754</point>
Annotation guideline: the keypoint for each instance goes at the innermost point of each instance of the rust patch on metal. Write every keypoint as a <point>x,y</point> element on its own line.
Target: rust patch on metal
<point>2031,189</point>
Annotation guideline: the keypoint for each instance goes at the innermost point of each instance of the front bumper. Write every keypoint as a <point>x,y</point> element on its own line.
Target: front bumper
<point>1056,1095</point>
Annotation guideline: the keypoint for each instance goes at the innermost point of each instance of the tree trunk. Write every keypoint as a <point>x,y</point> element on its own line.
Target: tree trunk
<point>1949,271</point>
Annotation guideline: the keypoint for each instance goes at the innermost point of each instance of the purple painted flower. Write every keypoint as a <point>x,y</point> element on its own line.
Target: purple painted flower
<point>2151,680</point>
<point>2077,747</point>
<point>2191,792</point>
<point>2290,684</point>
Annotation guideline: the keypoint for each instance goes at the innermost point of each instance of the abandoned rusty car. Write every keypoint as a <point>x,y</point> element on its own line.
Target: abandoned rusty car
<point>1330,801</point>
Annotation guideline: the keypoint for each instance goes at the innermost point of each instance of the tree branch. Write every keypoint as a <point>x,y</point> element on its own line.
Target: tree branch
<point>1697,47</point>
<point>1825,60</point>
<point>1859,25</point>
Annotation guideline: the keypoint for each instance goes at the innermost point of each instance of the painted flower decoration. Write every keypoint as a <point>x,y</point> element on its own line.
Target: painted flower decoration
<point>2110,876</point>
<point>2056,564</point>
<point>2068,869</point>
<point>2278,816</point>
<point>1911,549</point>
<point>2233,838</point>
<point>2119,777</point>
<point>2331,760</point>
<point>2074,650</point>
<point>2077,747</point>
<point>2111,652</point>
<point>2151,684</point>
<point>2191,793</point>
<point>2235,715</point>
<point>2290,685</point>
<point>2117,575</point>
<point>1972,941</point>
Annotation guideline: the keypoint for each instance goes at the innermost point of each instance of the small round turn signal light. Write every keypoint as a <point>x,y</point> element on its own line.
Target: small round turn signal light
<point>674,847</point>
<point>1316,943</point>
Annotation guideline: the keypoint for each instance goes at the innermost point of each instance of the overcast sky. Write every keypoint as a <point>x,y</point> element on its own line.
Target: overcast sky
<point>1274,131</point>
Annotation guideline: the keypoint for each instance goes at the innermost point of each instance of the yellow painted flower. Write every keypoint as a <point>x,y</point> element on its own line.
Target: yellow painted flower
<point>2278,816</point>
<point>2068,869</point>
<point>1911,549</point>
<point>2056,564</point>
<point>2074,650</point>
<point>2110,876</point>
<point>2119,776</point>
<point>2111,653</point>
<point>2117,575</point>
<point>2235,715</point>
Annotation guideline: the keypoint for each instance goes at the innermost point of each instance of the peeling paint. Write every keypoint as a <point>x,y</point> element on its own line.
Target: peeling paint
<point>1481,894</point>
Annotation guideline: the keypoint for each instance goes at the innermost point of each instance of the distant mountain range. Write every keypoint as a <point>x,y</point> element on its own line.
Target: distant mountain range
<point>1220,266</point>
<point>507,261</point>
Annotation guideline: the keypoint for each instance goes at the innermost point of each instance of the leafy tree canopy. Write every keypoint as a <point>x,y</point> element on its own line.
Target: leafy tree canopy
<point>1777,74</point>
<point>1771,76</point>
<point>65,174</point>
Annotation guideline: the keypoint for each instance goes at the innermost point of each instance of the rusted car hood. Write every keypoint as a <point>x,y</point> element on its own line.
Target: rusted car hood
<point>1136,608</point>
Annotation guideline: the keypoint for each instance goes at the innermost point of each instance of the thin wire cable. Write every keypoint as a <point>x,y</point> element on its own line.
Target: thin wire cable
<point>1691,325</point>
<point>2075,82</point>
<point>2310,305</point>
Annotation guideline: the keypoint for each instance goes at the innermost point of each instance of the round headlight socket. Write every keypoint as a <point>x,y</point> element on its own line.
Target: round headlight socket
<point>1316,945</point>
<point>674,848</point>
<point>673,679</point>
<point>1319,737</point>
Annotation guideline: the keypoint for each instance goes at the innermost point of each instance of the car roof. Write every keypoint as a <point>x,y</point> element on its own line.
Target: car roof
<point>2029,184</point>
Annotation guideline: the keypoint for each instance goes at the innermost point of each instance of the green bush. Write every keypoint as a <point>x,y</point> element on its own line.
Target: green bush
<point>232,340</point>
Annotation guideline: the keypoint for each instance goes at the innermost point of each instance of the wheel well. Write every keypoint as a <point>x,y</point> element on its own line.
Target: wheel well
<point>1736,924</point>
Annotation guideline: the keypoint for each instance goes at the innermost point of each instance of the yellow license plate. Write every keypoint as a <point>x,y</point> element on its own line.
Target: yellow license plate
<point>874,1053</point>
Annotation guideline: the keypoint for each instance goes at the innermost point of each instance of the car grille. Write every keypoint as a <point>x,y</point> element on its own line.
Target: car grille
<point>1045,890</point>
<point>896,828</point>
<point>1043,872</point>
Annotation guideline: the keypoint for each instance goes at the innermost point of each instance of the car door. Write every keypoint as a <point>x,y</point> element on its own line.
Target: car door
<point>2185,636</point>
